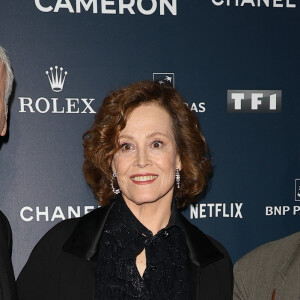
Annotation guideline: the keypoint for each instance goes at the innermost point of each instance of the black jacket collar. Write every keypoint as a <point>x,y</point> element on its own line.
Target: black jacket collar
<point>84,240</point>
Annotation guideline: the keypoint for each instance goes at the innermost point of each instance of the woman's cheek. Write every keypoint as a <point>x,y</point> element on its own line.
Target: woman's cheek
<point>123,183</point>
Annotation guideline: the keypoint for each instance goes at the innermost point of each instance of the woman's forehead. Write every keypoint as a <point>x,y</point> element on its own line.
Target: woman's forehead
<point>150,118</point>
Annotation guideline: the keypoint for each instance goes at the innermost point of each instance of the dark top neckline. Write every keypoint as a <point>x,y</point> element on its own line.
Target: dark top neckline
<point>123,238</point>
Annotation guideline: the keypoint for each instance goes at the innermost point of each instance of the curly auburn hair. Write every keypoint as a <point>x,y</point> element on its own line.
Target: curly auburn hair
<point>101,140</point>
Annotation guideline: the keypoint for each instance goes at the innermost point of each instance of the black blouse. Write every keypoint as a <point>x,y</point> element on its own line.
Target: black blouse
<point>123,238</point>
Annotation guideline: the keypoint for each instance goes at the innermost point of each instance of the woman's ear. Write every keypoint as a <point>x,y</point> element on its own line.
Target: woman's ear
<point>113,168</point>
<point>178,162</point>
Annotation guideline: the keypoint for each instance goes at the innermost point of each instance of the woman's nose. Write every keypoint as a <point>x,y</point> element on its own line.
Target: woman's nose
<point>142,158</point>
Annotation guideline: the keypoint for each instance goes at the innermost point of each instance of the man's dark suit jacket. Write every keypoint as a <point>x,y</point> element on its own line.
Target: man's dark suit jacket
<point>7,279</point>
<point>63,264</point>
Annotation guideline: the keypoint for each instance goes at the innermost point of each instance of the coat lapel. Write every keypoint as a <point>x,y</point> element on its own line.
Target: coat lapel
<point>202,252</point>
<point>84,241</point>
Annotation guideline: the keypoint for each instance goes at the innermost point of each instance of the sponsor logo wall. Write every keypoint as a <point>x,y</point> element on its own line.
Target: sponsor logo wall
<point>235,62</point>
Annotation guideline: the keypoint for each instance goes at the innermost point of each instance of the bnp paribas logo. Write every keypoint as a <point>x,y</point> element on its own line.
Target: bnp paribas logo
<point>297,189</point>
<point>169,79</point>
<point>57,78</point>
<point>165,78</point>
<point>52,103</point>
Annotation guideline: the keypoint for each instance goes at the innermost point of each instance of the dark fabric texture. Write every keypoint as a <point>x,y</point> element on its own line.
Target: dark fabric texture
<point>123,238</point>
<point>7,279</point>
<point>63,265</point>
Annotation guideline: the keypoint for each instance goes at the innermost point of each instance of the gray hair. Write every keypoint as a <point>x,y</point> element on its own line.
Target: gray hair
<point>9,74</point>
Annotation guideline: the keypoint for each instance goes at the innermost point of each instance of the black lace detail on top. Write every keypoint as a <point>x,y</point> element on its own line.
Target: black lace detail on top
<point>123,238</point>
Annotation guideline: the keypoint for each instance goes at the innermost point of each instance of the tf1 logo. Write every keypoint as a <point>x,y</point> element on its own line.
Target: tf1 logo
<point>261,101</point>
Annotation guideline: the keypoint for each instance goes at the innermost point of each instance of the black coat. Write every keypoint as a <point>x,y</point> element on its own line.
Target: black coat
<point>62,266</point>
<point>7,279</point>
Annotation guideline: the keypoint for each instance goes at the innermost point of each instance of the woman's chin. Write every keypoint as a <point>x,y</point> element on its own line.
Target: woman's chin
<point>141,198</point>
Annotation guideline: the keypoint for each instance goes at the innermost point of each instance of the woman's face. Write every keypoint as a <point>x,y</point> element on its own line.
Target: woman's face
<point>146,163</point>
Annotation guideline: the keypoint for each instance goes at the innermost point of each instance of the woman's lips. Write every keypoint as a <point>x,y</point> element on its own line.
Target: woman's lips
<point>143,178</point>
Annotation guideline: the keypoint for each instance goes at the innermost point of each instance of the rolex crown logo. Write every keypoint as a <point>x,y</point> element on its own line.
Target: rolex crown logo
<point>57,78</point>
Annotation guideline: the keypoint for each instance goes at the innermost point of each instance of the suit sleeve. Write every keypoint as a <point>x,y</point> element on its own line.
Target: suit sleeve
<point>43,262</point>
<point>6,231</point>
<point>239,291</point>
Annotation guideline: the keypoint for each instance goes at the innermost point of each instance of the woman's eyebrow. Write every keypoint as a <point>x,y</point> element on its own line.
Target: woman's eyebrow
<point>127,136</point>
<point>156,133</point>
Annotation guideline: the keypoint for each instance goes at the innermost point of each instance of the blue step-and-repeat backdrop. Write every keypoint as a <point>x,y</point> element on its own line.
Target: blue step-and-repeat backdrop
<point>236,62</point>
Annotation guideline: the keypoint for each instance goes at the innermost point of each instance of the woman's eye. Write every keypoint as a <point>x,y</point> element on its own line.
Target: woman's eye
<point>126,147</point>
<point>157,144</point>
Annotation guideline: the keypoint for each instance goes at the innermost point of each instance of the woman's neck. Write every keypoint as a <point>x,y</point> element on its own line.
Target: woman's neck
<point>154,216</point>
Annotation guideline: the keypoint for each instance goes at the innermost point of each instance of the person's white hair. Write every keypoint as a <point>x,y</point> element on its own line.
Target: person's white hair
<point>9,74</point>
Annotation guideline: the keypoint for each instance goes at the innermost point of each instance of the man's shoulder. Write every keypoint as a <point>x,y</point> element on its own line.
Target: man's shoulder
<point>5,230</point>
<point>3,220</point>
<point>268,258</point>
<point>271,252</point>
<point>257,273</point>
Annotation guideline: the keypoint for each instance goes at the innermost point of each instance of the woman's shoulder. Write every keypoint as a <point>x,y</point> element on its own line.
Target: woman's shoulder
<point>218,245</point>
<point>211,257</point>
<point>51,243</point>
<point>60,232</point>
<point>203,248</point>
<point>48,260</point>
<point>220,248</point>
<point>49,249</point>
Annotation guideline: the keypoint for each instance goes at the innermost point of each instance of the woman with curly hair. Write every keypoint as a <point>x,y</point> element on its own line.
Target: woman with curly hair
<point>145,158</point>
